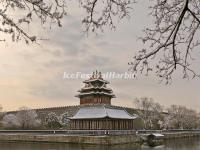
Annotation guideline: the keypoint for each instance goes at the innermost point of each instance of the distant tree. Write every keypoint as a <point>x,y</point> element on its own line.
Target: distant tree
<point>10,121</point>
<point>27,118</point>
<point>64,119</point>
<point>52,121</point>
<point>180,117</point>
<point>150,112</point>
<point>1,114</point>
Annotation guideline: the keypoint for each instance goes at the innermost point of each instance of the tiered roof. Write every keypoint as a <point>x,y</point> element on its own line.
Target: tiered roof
<point>96,85</point>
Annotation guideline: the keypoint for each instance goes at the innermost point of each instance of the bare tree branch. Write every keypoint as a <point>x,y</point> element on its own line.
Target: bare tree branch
<point>102,13</point>
<point>171,40</point>
<point>45,11</point>
<point>169,43</point>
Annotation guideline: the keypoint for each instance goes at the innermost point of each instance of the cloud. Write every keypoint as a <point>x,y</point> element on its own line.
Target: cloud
<point>32,74</point>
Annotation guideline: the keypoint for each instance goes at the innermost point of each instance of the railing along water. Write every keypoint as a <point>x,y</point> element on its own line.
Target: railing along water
<point>168,131</point>
<point>73,132</point>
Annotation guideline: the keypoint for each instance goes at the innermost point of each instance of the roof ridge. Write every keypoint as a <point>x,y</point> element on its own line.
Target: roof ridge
<point>128,113</point>
<point>105,111</point>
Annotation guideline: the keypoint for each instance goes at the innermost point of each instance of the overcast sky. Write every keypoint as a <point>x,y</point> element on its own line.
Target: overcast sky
<point>32,75</point>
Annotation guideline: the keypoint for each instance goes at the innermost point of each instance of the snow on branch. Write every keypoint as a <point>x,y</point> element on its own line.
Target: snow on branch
<point>102,13</point>
<point>171,40</point>
<point>47,11</point>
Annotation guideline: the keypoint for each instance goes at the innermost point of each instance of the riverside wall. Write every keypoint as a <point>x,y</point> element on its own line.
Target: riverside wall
<point>90,139</point>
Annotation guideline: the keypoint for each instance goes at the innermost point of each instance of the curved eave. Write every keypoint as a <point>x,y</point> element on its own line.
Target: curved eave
<point>95,93</point>
<point>104,117</point>
<point>96,88</point>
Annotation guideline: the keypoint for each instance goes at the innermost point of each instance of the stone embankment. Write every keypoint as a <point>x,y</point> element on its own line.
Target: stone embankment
<point>91,137</point>
<point>80,139</point>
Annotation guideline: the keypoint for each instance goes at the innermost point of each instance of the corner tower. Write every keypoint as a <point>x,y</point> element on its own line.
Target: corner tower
<point>95,91</point>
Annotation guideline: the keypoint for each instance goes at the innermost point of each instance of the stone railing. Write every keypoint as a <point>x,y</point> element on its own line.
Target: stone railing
<point>168,131</point>
<point>72,132</point>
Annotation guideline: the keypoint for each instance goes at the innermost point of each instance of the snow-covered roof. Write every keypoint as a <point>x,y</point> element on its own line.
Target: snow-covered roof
<point>96,93</point>
<point>98,88</point>
<point>102,112</point>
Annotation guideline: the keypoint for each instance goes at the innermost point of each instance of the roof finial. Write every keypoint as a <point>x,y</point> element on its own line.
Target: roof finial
<point>92,77</point>
<point>96,74</point>
<point>100,75</point>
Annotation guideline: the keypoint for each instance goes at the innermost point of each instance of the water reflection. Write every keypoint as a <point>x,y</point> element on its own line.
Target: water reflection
<point>183,144</point>
<point>178,144</point>
<point>63,146</point>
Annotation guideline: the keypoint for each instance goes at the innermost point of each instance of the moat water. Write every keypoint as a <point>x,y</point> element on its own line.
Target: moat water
<point>178,144</point>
